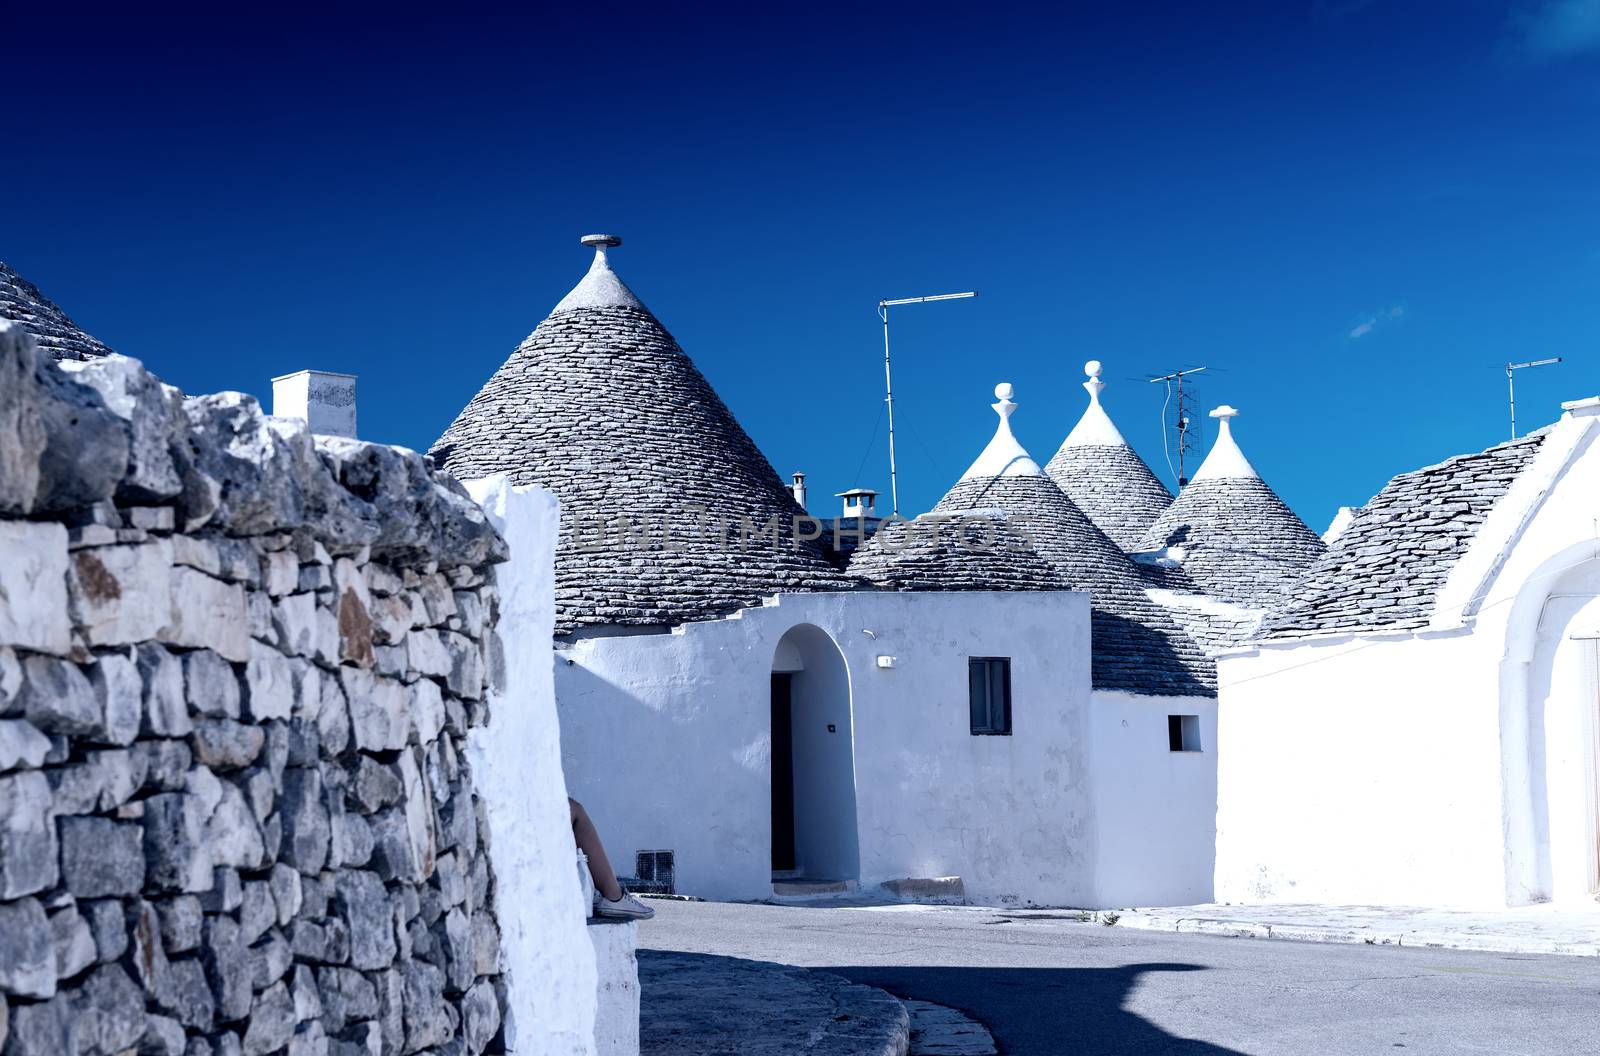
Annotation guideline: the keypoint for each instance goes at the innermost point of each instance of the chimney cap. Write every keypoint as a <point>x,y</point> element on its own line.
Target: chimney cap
<point>609,241</point>
<point>854,492</point>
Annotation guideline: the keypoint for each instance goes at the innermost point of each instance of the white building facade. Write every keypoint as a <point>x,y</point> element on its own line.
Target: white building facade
<point>1421,724</point>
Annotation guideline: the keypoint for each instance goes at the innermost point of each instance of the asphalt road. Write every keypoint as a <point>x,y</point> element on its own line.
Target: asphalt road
<point>1050,986</point>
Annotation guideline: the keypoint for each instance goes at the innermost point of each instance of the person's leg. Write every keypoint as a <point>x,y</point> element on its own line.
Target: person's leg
<point>588,838</point>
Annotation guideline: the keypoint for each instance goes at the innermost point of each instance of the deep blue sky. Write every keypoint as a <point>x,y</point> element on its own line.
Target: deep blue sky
<point>1359,211</point>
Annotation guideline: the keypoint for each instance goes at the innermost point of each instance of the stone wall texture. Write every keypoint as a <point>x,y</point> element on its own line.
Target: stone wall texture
<point>238,665</point>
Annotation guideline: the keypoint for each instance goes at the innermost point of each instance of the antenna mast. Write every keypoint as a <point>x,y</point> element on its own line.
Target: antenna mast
<point>1180,423</point>
<point>888,383</point>
<point>1511,384</point>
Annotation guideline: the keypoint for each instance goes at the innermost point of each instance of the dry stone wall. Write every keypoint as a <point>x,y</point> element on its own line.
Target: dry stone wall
<point>238,665</point>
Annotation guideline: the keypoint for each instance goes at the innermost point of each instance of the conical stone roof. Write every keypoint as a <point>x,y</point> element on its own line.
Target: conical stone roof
<point>1136,645</point>
<point>1240,542</point>
<point>669,512</point>
<point>21,302</point>
<point>1104,476</point>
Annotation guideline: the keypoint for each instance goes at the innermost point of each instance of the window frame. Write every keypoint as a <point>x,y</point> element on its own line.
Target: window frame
<point>1183,735</point>
<point>990,665</point>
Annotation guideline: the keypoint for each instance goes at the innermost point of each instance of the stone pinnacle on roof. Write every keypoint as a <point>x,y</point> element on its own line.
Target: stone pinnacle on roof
<point>1104,476</point>
<point>1005,525</point>
<point>21,302</point>
<point>669,511</point>
<point>1240,542</point>
<point>1004,456</point>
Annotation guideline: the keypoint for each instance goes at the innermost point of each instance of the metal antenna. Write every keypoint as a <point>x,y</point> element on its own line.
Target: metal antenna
<point>1511,384</point>
<point>888,383</point>
<point>1181,422</point>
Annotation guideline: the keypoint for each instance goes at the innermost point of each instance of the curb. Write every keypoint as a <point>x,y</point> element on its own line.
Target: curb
<point>1244,929</point>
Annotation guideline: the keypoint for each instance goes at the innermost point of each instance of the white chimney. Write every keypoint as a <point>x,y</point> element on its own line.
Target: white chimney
<point>859,502</point>
<point>798,489</point>
<point>325,401</point>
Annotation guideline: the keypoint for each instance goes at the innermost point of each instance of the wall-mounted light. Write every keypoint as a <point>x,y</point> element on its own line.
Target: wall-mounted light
<point>885,662</point>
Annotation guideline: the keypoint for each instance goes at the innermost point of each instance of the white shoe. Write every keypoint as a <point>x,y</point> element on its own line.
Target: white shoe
<point>625,908</point>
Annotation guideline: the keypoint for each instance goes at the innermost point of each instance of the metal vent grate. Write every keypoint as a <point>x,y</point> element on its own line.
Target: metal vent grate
<point>653,873</point>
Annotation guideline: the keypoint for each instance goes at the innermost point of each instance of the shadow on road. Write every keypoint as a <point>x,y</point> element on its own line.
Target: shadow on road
<point>1046,1011</point>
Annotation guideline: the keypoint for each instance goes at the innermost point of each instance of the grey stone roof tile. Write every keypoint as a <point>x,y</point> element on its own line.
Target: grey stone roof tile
<point>21,302</point>
<point>1386,570</point>
<point>603,407</point>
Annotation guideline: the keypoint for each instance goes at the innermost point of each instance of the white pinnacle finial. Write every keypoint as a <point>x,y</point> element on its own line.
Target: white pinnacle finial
<point>1003,392</point>
<point>1225,459</point>
<point>600,288</point>
<point>1094,384</point>
<point>1004,457</point>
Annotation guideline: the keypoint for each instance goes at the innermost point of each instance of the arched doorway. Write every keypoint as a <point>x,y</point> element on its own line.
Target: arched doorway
<point>813,760</point>
<point>1564,699</point>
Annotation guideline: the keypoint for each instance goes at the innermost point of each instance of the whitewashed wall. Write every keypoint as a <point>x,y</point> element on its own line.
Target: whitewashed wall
<point>1449,767</point>
<point>1155,809</point>
<point>544,946</point>
<point>666,740</point>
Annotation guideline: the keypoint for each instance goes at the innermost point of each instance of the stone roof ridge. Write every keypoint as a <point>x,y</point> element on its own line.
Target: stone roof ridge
<point>1004,457</point>
<point>1225,461</point>
<point>56,334</point>
<point>600,287</point>
<point>1095,428</point>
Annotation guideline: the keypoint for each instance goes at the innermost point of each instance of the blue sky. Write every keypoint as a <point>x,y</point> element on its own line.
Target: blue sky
<point>1356,213</point>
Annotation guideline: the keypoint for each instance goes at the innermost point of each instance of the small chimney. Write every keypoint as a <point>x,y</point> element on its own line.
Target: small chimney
<point>798,489</point>
<point>859,502</point>
<point>325,401</point>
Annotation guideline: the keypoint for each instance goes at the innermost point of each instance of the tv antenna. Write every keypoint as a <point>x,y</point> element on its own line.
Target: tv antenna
<point>1511,384</point>
<point>1180,422</point>
<point>888,384</point>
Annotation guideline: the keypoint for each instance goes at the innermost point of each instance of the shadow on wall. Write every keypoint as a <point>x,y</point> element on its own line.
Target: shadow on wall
<point>1045,1011</point>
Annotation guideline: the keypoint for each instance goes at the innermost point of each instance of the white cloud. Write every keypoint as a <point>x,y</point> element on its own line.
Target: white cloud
<point>1558,29</point>
<point>1372,322</point>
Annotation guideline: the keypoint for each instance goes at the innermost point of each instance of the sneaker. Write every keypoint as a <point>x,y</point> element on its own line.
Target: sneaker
<point>625,908</point>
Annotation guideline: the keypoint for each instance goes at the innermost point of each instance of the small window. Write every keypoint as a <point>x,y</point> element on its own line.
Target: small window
<point>989,694</point>
<point>1183,733</point>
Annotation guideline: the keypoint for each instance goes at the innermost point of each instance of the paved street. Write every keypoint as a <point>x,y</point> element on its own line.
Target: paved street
<point>1047,985</point>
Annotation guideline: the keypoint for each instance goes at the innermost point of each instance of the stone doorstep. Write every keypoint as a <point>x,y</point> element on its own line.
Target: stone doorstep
<point>1387,935</point>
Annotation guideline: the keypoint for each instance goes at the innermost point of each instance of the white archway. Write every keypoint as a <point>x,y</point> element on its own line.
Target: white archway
<point>1550,726</point>
<point>816,783</point>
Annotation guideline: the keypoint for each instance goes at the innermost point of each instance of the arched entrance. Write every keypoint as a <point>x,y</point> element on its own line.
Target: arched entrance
<point>1557,619</point>
<point>813,760</point>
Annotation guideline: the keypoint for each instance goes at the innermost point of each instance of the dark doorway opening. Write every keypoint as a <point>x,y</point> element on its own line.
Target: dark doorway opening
<point>782,773</point>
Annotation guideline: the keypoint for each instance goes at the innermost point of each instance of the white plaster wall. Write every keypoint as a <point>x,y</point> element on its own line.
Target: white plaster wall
<point>666,741</point>
<point>1360,771</point>
<point>516,761</point>
<point>616,1024</point>
<point>1155,809</point>
<point>1438,768</point>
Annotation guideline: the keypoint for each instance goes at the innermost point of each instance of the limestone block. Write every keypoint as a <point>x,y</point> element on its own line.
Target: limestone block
<point>427,708</point>
<point>165,711</point>
<point>182,920</point>
<point>154,421</point>
<point>163,1036</point>
<point>228,967</point>
<point>45,1028</point>
<point>211,684</point>
<point>306,828</point>
<point>101,857</point>
<point>391,619</point>
<point>287,892</point>
<point>405,838</point>
<point>119,690</point>
<point>27,950</point>
<point>73,942</point>
<point>223,744</point>
<point>280,572</point>
<point>465,677</point>
<point>120,594</point>
<point>198,553</point>
<point>165,764</point>
<point>426,654</point>
<point>269,685</point>
<point>58,699</point>
<point>98,782</point>
<point>380,719</point>
<point>300,632</point>
<point>208,613</point>
<point>28,854</point>
<point>33,586</point>
<point>21,745</point>
<point>110,1015</point>
<point>270,959</point>
<point>109,929</point>
<point>233,835</point>
<point>333,718</point>
<point>480,1016</point>
<point>191,999</point>
<point>174,843</point>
